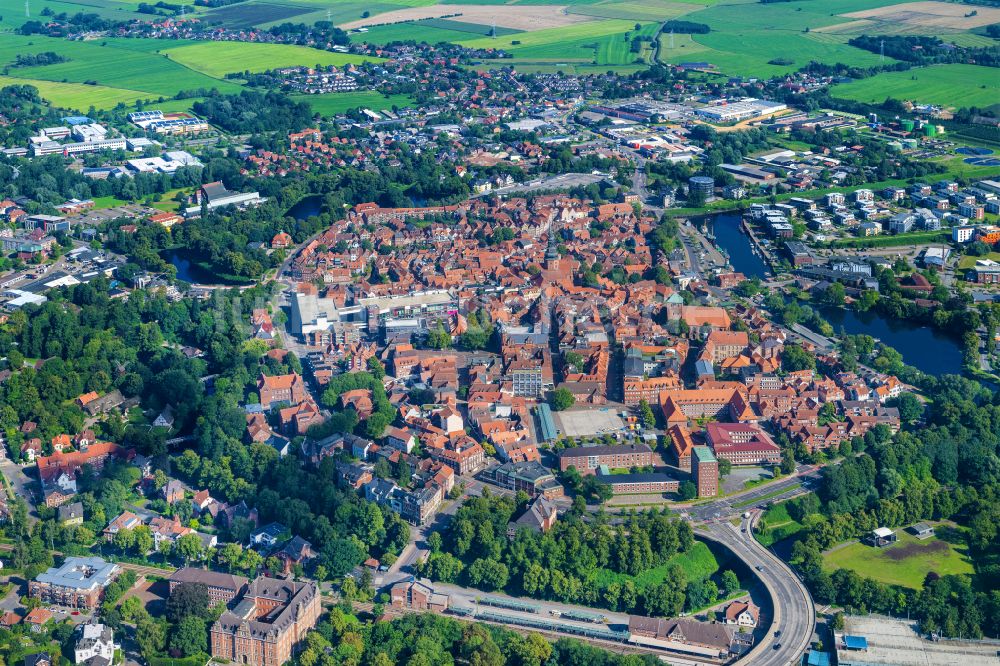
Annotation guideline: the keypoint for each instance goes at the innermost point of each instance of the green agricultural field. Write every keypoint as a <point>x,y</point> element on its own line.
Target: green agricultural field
<point>462,26</point>
<point>631,10</point>
<point>599,42</point>
<point>753,39</point>
<point>904,563</point>
<point>340,12</point>
<point>109,63</point>
<point>78,96</point>
<point>247,14</point>
<point>12,11</point>
<point>216,59</point>
<point>699,563</point>
<point>331,104</point>
<point>568,68</point>
<point>947,85</point>
<point>401,32</point>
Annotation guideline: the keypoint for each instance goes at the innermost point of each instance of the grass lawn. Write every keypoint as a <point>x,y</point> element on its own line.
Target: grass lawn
<point>906,562</point>
<point>216,59</point>
<point>699,563</point>
<point>778,525</point>
<point>101,203</point>
<point>969,261</point>
<point>894,241</point>
<point>78,96</point>
<point>947,85</point>
<point>330,104</point>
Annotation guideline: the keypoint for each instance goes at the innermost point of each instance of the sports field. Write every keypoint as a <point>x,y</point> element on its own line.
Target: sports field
<point>947,85</point>
<point>904,563</point>
<point>216,59</point>
<point>331,104</point>
<point>78,96</point>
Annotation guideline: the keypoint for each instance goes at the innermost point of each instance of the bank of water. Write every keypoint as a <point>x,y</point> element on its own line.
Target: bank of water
<point>190,270</point>
<point>922,347</point>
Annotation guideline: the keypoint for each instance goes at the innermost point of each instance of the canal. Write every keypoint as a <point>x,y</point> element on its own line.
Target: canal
<point>195,272</point>
<point>922,347</point>
<point>730,237</point>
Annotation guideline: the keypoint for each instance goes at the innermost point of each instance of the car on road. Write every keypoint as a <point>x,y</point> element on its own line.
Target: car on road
<point>759,568</point>
<point>777,646</point>
<point>777,633</point>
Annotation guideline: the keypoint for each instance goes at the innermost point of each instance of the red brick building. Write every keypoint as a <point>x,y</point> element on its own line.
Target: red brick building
<point>587,459</point>
<point>222,587</point>
<point>267,625</point>
<point>290,389</point>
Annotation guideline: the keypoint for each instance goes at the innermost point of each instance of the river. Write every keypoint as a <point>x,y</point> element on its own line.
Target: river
<point>922,347</point>
<point>195,273</point>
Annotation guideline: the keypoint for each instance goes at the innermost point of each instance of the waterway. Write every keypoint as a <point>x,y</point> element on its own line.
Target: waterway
<point>730,237</point>
<point>191,271</point>
<point>922,347</point>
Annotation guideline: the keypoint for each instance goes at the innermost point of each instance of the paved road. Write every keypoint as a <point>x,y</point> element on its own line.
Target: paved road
<point>727,507</point>
<point>794,614</point>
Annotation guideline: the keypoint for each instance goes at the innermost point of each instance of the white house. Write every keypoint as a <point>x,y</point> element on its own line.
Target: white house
<point>742,613</point>
<point>95,645</point>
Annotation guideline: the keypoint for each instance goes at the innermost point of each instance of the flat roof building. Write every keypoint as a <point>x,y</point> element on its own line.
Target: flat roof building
<point>78,583</point>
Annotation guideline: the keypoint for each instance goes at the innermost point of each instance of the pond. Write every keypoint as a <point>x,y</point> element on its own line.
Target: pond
<point>922,347</point>
<point>191,271</point>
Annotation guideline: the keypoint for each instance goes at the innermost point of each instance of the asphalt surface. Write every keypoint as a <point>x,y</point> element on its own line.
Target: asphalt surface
<point>793,612</point>
<point>726,507</point>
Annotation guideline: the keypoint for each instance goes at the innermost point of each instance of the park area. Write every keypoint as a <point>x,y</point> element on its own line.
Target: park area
<point>906,562</point>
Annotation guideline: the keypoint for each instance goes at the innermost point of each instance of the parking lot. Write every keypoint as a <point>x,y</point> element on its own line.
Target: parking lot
<point>896,642</point>
<point>584,423</point>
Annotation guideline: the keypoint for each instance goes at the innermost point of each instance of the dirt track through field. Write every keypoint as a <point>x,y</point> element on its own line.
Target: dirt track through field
<point>526,17</point>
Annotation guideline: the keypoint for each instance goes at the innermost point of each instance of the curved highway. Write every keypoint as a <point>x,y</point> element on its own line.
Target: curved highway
<point>794,615</point>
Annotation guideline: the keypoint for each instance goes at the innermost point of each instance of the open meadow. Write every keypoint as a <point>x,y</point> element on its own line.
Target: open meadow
<point>906,562</point>
<point>216,59</point>
<point>78,96</point>
<point>605,42</point>
<point>946,85</point>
